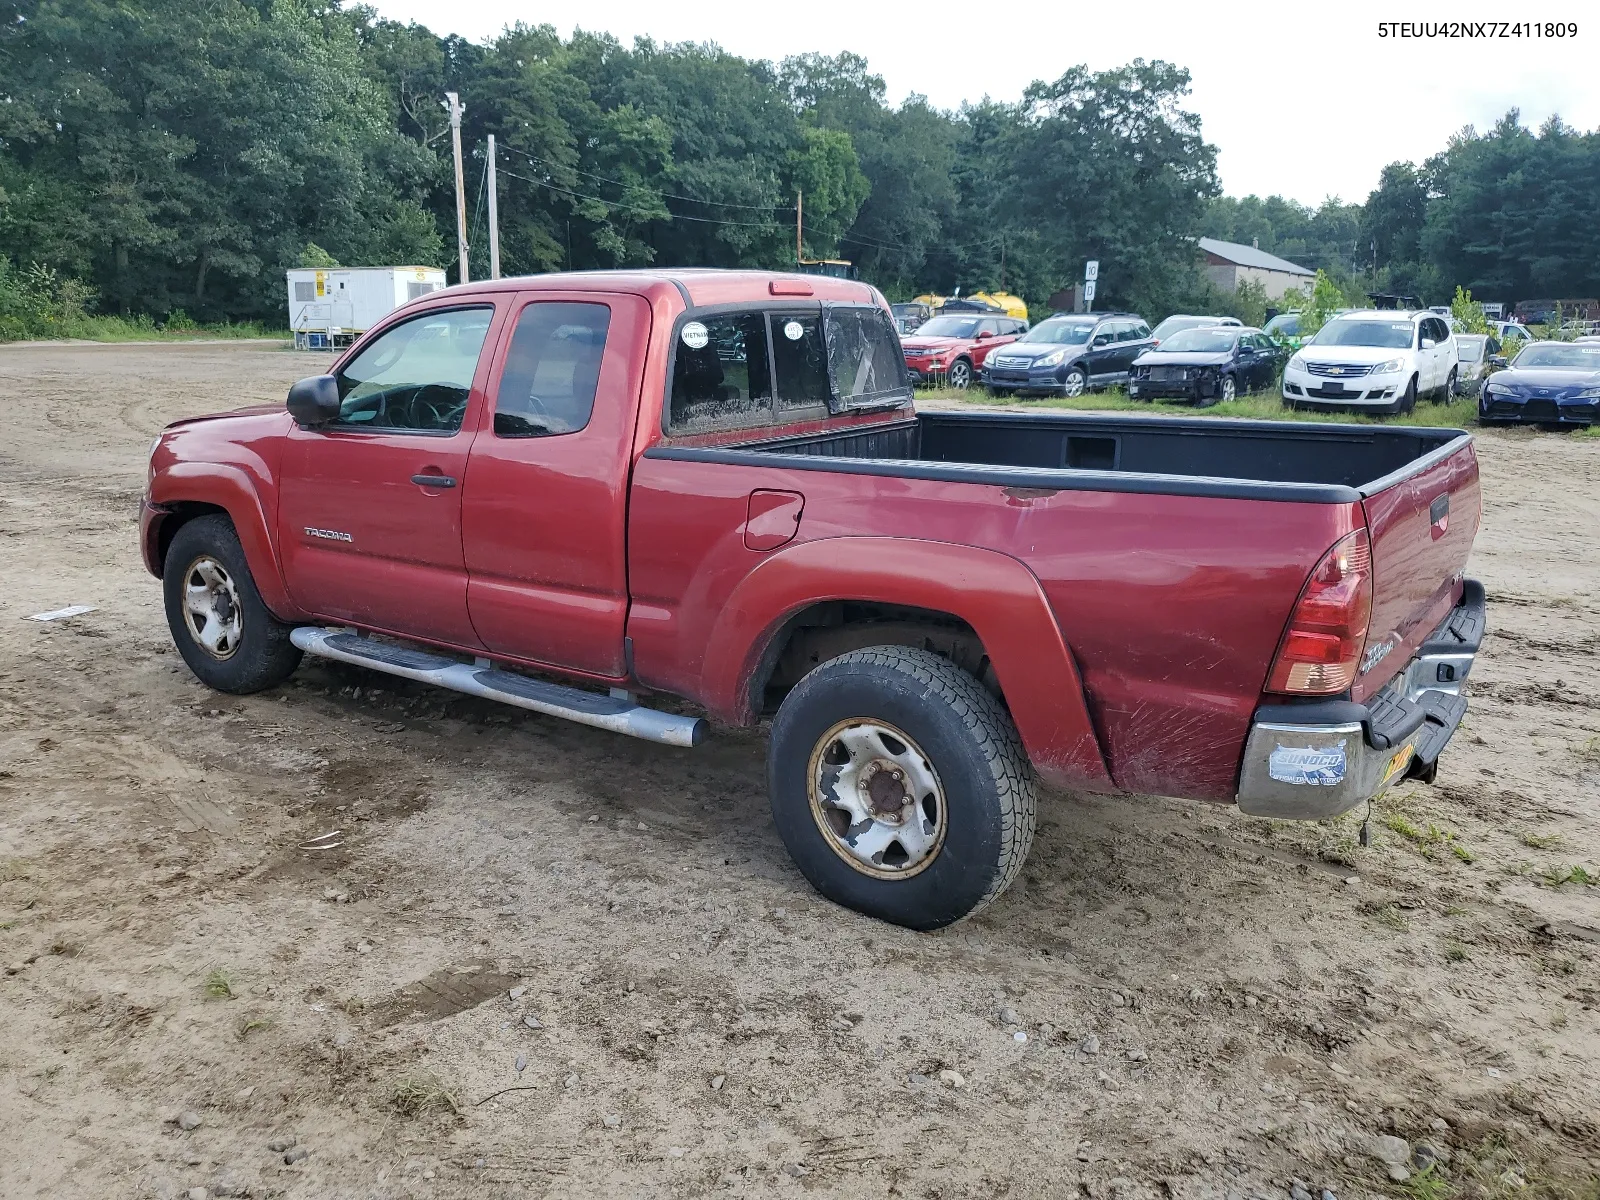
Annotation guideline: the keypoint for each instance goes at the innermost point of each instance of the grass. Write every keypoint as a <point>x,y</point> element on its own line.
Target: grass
<point>1267,406</point>
<point>218,984</point>
<point>1428,841</point>
<point>415,1095</point>
<point>253,1024</point>
<point>1455,952</point>
<point>1556,876</point>
<point>1589,751</point>
<point>143,329</point>
<point>1390,915</point>
<point>1542,841</point>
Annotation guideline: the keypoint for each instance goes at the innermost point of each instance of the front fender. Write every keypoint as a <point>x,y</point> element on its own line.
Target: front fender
<point>232,489</point>
<point>997,595</point>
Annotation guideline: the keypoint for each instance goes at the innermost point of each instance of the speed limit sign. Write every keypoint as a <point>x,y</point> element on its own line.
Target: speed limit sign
<point>1091,270</point>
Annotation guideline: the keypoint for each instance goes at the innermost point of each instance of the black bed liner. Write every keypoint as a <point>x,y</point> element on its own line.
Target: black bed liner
<point>1203,456</point>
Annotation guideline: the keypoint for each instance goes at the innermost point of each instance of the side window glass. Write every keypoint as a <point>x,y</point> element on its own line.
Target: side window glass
<point>799,360</point>
<point>416,376</point>
<point>1125,331</point>
<point>1140,331</point>
<point>990,327</point>
<point>721,373</point>
<point>552,369</point>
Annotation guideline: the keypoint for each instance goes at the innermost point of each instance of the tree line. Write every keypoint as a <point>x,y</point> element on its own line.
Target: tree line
<point>175,156</point>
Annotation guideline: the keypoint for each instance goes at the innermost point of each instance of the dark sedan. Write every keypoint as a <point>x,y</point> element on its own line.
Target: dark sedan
<point>1548,383</point>
<point>1206,366</point>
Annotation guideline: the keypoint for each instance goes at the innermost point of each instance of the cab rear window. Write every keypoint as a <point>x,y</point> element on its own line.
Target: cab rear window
<point>761,366</point>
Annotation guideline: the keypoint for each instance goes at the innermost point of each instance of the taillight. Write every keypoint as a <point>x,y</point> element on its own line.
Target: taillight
<point>1328,631</point>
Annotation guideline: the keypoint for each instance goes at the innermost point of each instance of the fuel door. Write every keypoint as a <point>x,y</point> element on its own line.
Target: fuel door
<point>772,518</point>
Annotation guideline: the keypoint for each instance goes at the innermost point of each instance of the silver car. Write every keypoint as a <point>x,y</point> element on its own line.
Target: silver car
<point>1474,352</point>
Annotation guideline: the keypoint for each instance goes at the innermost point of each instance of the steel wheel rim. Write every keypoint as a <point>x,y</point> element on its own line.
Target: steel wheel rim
<point>960,376</point>
<point>1073,384</point>
<point>853,788</point>
<point>211,609</point>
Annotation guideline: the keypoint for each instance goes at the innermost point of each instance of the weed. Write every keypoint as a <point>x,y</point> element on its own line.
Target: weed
<point>1589,751</point>
<point>12,869</point>
<point>218,984</point>
<point>354,1005</point>
<point>1427,1184</point>
<point>414,1095</point>
<point>1455,952</point>
<point>1461,852</point>
<point>1427,841</point>
<point>253,1024</point>
<point>1453,910</point>
<point>1399,824</point>
<point>1556,876</point>
<point>1542,841</point>
<point>1391,916</point>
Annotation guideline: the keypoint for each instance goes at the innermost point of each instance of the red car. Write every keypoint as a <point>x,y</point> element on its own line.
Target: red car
<point>629,498</point>
<point>951,348</point>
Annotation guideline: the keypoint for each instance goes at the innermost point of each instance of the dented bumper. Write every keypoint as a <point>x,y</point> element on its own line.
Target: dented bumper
<point>1316,760</point>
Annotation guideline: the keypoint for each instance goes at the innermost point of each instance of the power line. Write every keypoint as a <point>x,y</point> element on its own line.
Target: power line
<point>648,212</point>
<point>664,195</point>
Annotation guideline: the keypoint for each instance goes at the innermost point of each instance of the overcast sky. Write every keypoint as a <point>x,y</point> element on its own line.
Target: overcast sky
<point>1302,99</point>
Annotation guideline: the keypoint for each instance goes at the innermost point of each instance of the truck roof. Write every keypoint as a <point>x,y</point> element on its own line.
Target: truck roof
<point>698,286</point>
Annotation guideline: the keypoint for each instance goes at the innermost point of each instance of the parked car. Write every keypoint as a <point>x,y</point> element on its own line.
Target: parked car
<point>1068,354</point>
<point>1510,331</point>
<point>932,608</point>
<point>1284,329</point>
<point>1548,383</point>
<point>1184,321</point>
<point>952,348</point>
<point>909,317</point>
<point>1392,357</point>
<point>1208,365</point>
<point>1476,358</point>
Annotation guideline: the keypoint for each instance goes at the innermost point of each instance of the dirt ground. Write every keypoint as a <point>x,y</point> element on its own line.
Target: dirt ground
<point>1173,1001</point>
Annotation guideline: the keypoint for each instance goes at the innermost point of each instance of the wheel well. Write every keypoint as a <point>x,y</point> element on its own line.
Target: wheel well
<point>824,631</point>
<point>180,513</point>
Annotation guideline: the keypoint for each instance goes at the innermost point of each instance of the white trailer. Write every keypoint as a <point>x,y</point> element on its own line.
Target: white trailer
<point>332,306</point>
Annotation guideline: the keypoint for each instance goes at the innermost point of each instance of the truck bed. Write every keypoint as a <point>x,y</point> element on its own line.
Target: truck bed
<point>1194,456</point>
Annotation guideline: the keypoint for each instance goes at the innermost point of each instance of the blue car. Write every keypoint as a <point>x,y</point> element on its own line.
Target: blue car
<point>1556,384</point>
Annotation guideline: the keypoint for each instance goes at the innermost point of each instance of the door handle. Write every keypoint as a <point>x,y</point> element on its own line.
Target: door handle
<point>434,481</point>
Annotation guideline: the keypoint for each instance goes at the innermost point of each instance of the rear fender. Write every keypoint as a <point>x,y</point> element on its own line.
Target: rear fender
<point>231,489</point>
<point>997,595</point>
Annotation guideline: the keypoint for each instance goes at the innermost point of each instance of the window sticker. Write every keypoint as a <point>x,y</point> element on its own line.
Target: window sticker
<point>694,335</point>
<point>1316,766</point>
<point>794,331</point>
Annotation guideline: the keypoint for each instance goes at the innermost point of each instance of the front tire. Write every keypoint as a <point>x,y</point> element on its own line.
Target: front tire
<point>1073,385</point>
<point>960,375</point>
<point>900,787</point>
<point>1406,402</point>
<point>219,622</point>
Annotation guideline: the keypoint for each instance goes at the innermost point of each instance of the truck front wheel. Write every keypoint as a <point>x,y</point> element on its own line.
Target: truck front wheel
<point>219,623</point>
<point>900,787</point>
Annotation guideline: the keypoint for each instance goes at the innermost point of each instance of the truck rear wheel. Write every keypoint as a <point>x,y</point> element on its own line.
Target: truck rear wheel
<point>219,623</point>
<point>900,787</point>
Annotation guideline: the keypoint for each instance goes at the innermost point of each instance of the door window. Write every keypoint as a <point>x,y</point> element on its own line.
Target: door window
<point>864,358</point>
<point>992,328</point>
<point>417,375</point>
<point>552,369</point>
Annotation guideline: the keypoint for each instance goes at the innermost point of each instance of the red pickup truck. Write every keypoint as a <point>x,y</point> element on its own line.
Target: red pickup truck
<point>574,493</point>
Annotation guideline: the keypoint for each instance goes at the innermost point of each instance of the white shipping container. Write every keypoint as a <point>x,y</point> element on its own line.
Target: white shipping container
<point>332,306</point>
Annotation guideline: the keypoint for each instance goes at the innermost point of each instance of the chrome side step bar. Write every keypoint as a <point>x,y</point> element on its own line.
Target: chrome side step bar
<point>615,713</point>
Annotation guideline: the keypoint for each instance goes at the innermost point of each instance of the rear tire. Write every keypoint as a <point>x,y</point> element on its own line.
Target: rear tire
<point>900,787</point>
<point>1449,394</point>
<point>219,622</point>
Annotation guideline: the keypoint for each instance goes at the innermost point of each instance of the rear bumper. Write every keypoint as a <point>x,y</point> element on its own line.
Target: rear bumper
<point>1316,760</point>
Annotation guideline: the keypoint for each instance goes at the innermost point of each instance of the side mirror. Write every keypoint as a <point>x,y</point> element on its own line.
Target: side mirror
<point>314,401</point>
<point>984,335</point>
<point>1102,339</point>
<point>1497,360</point>
<point>1428,343</point>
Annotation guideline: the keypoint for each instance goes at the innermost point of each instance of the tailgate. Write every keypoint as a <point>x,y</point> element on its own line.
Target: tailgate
<point>1422,525</point>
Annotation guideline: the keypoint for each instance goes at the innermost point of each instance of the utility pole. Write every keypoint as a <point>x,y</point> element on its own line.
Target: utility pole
<point>799,221</point>
<point>453,103</point>
<point>494,218</point>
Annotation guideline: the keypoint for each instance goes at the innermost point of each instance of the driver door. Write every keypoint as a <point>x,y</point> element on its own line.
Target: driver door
<point>369,508</point>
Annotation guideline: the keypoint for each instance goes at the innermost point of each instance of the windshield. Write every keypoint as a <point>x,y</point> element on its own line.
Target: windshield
<point>1563,355</point>
<point>1470,349</point>
<point>1385,335</point>
<point>1283,325</point>
<point>1200,341</point>
<point>951,327</point>
<point>1060,333</point>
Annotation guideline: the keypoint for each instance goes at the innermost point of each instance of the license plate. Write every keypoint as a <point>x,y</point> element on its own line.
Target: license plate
<point>1335,386</point>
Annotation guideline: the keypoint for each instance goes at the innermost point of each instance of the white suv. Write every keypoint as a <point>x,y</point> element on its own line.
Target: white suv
<point>1375,361</point>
